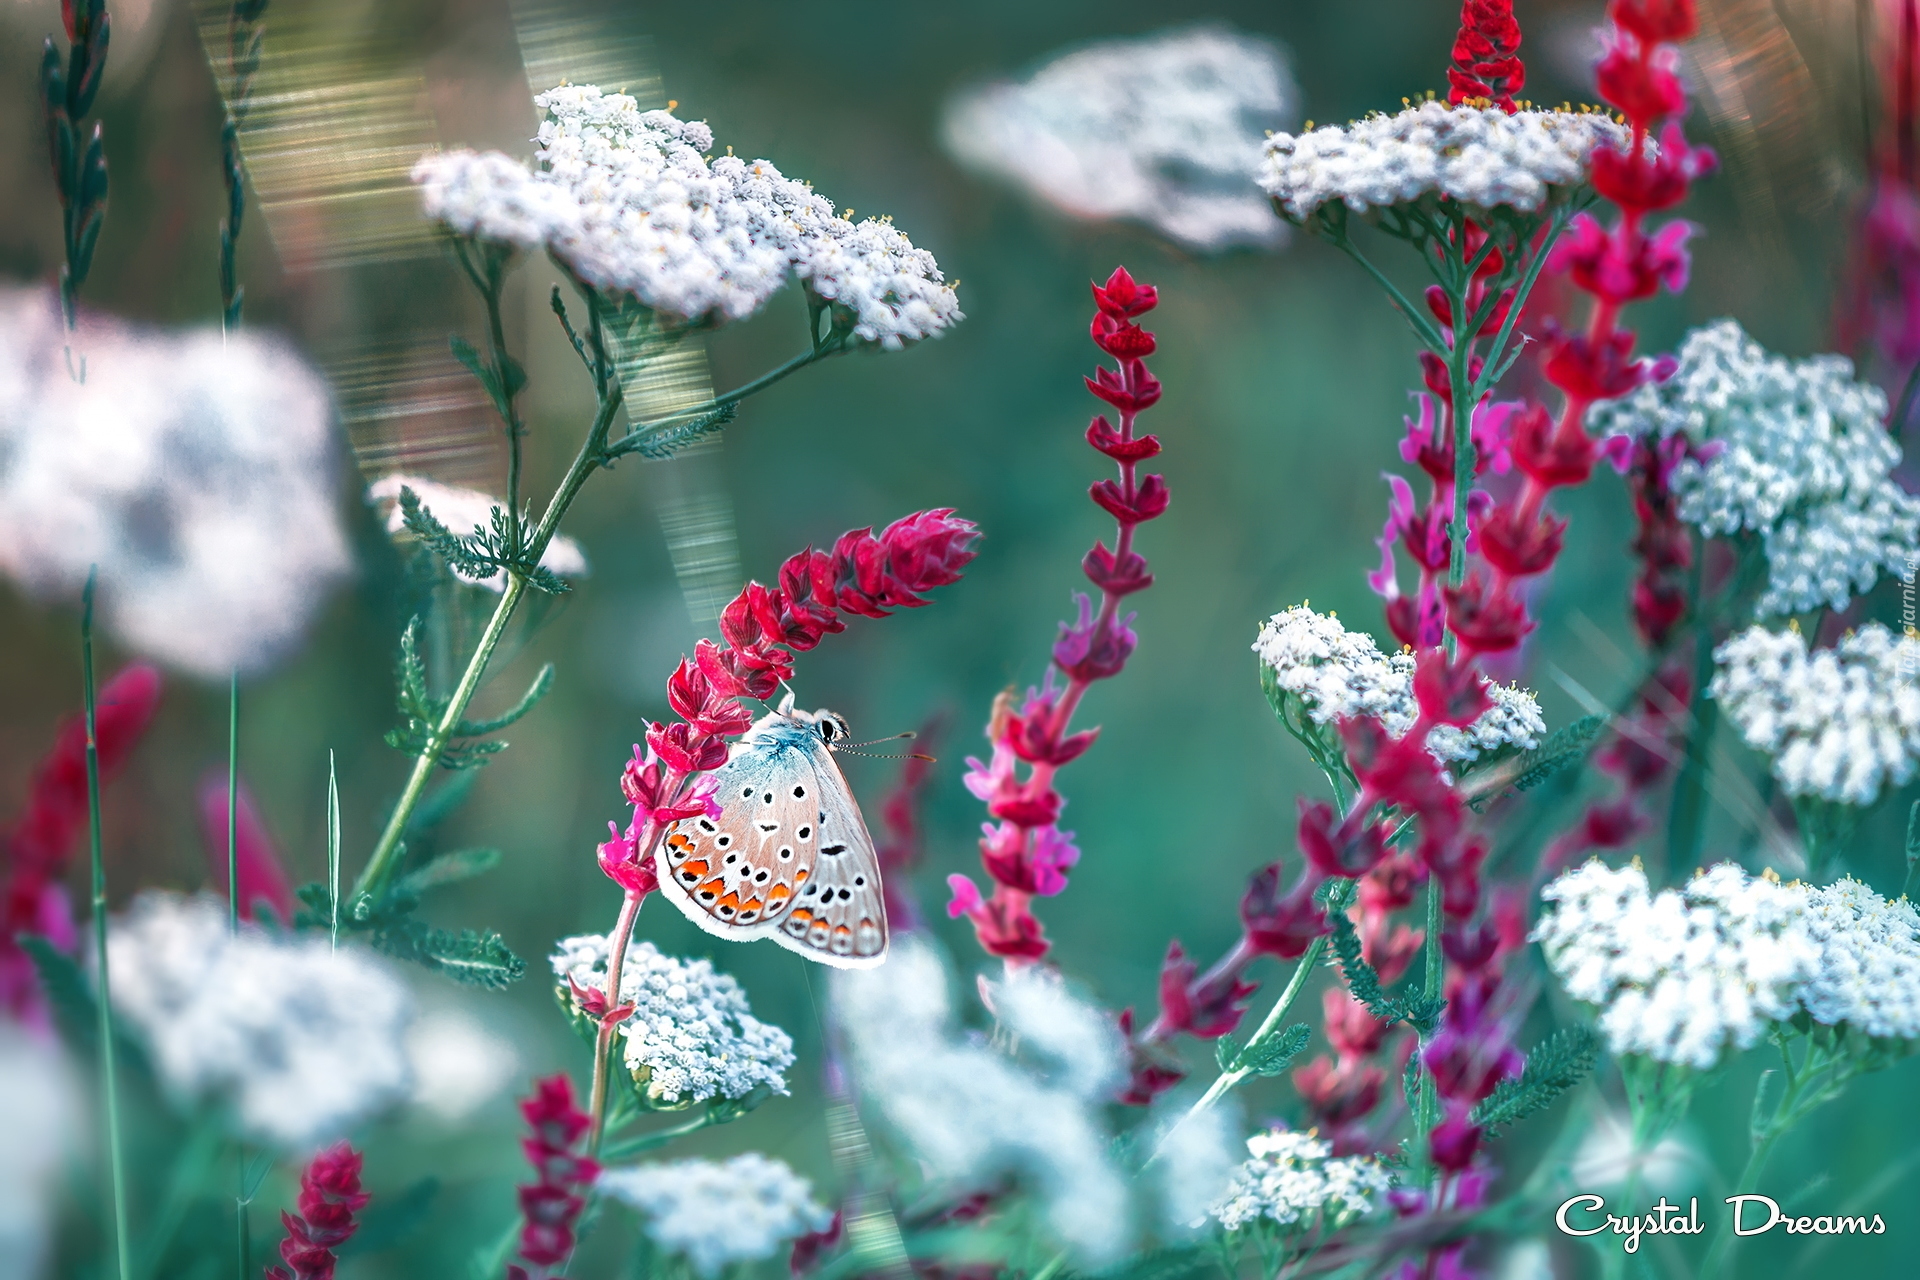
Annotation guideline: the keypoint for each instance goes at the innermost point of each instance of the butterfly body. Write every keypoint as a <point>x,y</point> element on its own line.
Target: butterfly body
<point>788,856</point>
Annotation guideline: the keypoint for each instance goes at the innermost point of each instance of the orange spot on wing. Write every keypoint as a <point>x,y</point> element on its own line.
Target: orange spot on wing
<point>714,885</point>
<point>779,894</point>
<point>732,899</point>
<point>697,867</point>
<point>800,876</point>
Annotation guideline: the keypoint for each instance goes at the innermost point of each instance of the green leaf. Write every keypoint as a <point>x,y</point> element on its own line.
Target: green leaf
<point>463,352</point>
<point>68,991</point>
<point>449,868</point>
<point>1224,1052</point>
<point>1270,1057</point>
<point>1177,1263</point>
<point>538,690</point>
<point>1554,1066</point>
<point>439,805</point>
<point>1566,746</point>
<point>471,957</point>
<point>663,442</point>
<point>1415,1008</point>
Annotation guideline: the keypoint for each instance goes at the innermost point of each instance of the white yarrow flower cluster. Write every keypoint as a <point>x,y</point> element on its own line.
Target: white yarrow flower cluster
<point>463,511</point>
<point>1841,724</point>
<point>302,1040</point>
<point>198,473</point>
<point>491,196</point>
<point>1682,975</point>
<point>1868,975</point>
<point>1292,1179</point>
<point>1160,129</point>
<point>1335,673</point>
<point>631,203</point>
<point>718,1213</point>
<point>1804,460</point>
<point>1478,156</point>
<point>691,1035</point>
<point>970,1111</point>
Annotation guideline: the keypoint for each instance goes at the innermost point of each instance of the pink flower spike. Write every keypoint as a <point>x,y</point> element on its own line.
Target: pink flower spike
<point>966,900</point>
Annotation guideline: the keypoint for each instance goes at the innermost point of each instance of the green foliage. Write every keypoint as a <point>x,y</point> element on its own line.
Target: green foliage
<point>1413,1007</point>
<point>448,868</point>
<point>467,744</point>
<point>661,443</point>
<point>1178,1263</point>
<point>484,552</point>
<point>1554,1066</point>
<point>470,956</point>
<point>499,391</point>
<point>68,992</point>
<point>1564,747</point>
<point>1263,1056</point>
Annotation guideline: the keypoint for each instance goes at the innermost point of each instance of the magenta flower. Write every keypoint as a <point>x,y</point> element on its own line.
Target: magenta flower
<point>330,1196</point>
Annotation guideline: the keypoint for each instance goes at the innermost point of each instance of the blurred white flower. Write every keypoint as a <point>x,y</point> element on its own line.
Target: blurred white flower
<point>630,203</point>
<point>1804,460</point>
<point>197,472</point>
<point>1477,155</point>
<point>1605,1158</point>
<point>39,1113</point>
<point>1078,1045</point>
<point>1196,1155</point>
<point>458,1063</point>
<point>1335,673</point>
<point>463,511</point>
<point>1293,1180</point>
<point>718,1213</point>
<point>1164,129</point>
<point>691,1035</point>
<point>301,1040</point>
<point>1682,975</point>
<point>1842,724</point>
<point>971,1112</point>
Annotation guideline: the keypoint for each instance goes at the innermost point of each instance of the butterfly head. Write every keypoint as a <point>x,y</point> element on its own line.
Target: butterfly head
<point>830,725</point>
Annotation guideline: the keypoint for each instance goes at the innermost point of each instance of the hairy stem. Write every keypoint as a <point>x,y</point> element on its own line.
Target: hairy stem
<point>640,430</point>
<point>603,1042</point>
<point>109,1084</point>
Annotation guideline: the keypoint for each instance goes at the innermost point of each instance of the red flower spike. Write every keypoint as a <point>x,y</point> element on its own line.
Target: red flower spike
<point>330,1197</point>
<point>1122,298</point>
<point>1281,924</point>
<point>1586,371</point>
<point>1486,61</point>
<point>1206,1011</point>
<point>263,880</point>
<point>1339,1094</point>
<point>1655,21</point>
<point>1649,184</point>
<point>1148,502</point>
<point>1518,550</point>
<point>1452,693</point>
<point>1119,339</point>
<point>1485,619</point>
<point>1643,89</point>
<point>1350,1029</point>
<point>1348,850</point>
<point>1552,456</point>
<point>551,1205</point>
<point>1102,436</point>
<point>1454,1141</point>
<point>1116,575</point>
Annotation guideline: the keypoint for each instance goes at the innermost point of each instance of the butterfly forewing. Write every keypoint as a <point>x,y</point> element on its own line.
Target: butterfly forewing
<point>738,873</point>
<point>839,915</point>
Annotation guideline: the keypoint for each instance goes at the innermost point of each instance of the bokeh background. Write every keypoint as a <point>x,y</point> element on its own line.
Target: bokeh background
<point>1285,376</point>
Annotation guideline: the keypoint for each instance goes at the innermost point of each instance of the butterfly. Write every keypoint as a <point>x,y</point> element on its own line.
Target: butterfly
<point>788,856</point>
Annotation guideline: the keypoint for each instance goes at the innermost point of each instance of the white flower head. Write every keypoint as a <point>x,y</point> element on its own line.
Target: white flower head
<point>1335,673</point>
<point>197,472</point>
<point>41,1114</point>
<point>1196,1155</point>
<point>632,204</point>
<point>491,196</point>
<point>691,1035</point>
<point>1683,975</point>
<point>1869,971</point>
<point>302,1040</point>
<point>1841,724</point>
<point>1293,1180</point>
<point>463,511</point>
<point>718,1213</point>
<point>459,1064</point>
<point>1803,460</point>
<point>1477,155</point>
<point>969,1111</point>
<point>1161,129</point>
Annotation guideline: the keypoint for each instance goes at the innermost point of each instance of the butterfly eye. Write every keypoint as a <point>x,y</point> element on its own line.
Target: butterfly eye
<point>829,730</point>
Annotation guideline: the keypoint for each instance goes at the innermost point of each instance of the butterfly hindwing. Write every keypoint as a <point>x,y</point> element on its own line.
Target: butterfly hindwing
<point>839,916</point>
<point>736,874</point>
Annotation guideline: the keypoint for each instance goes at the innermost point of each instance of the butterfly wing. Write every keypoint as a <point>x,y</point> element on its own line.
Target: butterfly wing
<point>737,874</point>
<point>839,915</point>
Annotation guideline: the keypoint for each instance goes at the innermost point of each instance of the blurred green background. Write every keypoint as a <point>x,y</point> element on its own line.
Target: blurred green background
<point>1285,377</point>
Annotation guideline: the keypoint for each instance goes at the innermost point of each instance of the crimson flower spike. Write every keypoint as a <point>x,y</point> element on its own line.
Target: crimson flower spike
<point>1486,55</point>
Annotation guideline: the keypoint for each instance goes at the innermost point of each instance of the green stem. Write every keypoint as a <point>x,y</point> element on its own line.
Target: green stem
<point>1423,1120</point>
<point>233,802</point>
<point>242,1229</point>
<point>1685,818</point>
<point>658,1138</point>
<point>379,866</point>
<point>509,408</point>
<point>1423,328</point>
<point>109,1084</point>
<point>638,432</point>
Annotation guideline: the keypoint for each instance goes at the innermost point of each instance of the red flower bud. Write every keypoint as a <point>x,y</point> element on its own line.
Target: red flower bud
<point>1102,436</point>
<point>1655,21</point>
<point>1122,298</point>
<point>1281,924</point>
<point>1449,692</point>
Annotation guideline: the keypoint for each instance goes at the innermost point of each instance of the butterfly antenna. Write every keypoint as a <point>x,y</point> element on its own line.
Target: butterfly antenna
<point>890,738</point>
<point>888,755</point>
